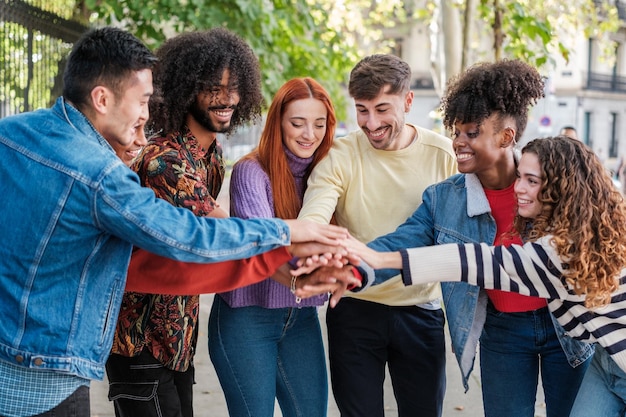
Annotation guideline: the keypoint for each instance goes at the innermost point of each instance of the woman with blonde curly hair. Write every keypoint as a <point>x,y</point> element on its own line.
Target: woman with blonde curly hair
<point>573,222</point>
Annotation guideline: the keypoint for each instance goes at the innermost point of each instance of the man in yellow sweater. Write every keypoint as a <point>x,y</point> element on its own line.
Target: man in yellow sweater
<point>372,180</point>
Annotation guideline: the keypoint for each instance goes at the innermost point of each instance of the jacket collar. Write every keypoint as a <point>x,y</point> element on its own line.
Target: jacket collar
<point>477,202</point>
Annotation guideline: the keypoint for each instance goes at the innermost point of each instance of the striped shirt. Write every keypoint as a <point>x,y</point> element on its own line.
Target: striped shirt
<point>533,269</point>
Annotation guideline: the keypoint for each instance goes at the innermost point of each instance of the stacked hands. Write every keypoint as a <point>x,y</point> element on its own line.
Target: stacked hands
<point>326,260</point>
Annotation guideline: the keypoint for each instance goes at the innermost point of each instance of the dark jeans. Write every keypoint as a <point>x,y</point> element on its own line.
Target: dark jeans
<point>142,387</point>
<point>514,348</point>
<point>76,405</point>
<point>364,336</point>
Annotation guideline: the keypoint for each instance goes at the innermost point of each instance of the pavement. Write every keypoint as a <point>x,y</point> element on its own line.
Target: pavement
<point>209,401</point>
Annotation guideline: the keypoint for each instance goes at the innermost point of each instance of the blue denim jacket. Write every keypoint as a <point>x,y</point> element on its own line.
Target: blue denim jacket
<point>70,213</point>
<point>457,211</point>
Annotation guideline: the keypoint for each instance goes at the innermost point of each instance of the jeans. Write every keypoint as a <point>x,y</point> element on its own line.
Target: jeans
<point>603,391</point>
<point>76,405</point>
<point>364,336</point>
<point>263,354</point>
<point>513,348</point>
<point>142,387</point>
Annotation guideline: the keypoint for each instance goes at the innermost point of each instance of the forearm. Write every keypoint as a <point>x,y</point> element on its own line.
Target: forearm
<point>153,274</point>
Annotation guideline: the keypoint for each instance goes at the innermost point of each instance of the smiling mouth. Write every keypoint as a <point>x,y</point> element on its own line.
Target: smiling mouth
<point>463,156</point>
<point>377,134</point>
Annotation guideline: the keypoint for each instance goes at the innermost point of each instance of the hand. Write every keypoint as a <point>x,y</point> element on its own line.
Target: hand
<point>327,280</point>
<point>311,263</point>
<point>304,250</point>
<point>361,250</point>
<point>307,231</point>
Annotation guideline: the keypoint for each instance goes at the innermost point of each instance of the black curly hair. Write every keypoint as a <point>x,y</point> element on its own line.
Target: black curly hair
<point>508,87</point>
<point>194,62</point>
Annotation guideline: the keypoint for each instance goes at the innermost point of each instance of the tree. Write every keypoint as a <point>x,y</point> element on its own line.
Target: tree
<point>289,39</point>
<point>534,31</point>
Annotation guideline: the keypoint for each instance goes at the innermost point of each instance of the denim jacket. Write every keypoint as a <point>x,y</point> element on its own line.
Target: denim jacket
<point>70,214</point>
<point>457,211</point>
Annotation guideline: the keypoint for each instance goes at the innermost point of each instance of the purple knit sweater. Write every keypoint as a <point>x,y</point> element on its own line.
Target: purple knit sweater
<point>250,197</point>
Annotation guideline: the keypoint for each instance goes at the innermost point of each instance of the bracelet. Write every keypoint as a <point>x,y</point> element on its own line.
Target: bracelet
<point>293,289</point>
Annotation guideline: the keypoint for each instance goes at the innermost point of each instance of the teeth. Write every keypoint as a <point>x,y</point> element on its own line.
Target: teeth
<point>520,201</point>
<point>463,156</point>
<point>378,133</point>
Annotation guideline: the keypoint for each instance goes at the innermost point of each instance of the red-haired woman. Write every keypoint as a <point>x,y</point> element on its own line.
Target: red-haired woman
<point>264,343</point>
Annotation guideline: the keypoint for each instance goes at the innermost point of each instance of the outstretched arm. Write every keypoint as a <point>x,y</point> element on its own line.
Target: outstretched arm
<point>154,274</point>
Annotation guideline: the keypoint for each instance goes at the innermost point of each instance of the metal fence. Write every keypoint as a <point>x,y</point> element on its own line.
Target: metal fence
<point>34,42</point>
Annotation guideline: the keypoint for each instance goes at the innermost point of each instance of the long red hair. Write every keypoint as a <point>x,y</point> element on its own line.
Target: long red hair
<point>270,152</point>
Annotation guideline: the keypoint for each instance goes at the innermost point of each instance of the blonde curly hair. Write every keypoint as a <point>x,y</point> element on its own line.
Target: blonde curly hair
<point>585,214</point>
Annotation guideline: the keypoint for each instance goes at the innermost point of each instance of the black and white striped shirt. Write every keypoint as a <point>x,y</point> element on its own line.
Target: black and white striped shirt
<point>532,269</point>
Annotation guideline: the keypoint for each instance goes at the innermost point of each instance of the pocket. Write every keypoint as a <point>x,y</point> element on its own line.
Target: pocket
<point>135,391</point>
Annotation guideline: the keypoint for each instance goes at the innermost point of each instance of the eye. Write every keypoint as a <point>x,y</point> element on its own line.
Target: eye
<point>473,135</point>
<point>297,125</point>
<point>323,126</point>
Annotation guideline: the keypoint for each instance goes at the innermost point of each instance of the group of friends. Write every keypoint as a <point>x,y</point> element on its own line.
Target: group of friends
<point>102,265</point>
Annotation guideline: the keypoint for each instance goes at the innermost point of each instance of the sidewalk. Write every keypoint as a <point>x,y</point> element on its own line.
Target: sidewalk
<point>209,401</point>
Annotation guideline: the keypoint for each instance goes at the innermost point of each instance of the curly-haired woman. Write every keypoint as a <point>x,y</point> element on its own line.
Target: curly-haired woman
<point>573,221</point>
<point>486,108</point>
<point>264,343</point>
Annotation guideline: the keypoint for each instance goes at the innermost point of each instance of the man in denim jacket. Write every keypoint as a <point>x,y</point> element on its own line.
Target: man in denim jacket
<point>72,212</point>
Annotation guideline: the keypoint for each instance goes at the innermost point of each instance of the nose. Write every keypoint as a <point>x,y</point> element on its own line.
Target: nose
<point>140,138</point>
<point>307,132</point>
<point>372,123</point>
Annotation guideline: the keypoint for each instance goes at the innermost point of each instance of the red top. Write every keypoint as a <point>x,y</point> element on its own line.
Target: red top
<point>503,208</point>
<point>154,274</point>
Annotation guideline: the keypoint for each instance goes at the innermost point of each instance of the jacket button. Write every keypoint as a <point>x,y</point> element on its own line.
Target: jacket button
<point>38,362</point>
<point>19,359</point>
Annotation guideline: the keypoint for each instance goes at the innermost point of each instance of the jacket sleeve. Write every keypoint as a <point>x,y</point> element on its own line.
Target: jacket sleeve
<point>154,274</point>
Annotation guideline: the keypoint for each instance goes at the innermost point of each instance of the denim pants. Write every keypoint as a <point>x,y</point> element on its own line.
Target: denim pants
<point>513,348</point>
<point>263,354</point>
<point>142,386</point>
<point>364,336</point>
<point>76,405</point>
<point>603,391</point>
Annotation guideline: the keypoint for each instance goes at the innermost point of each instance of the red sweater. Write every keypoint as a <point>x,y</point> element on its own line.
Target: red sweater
<point>154,274</point>
<point>503,208</point>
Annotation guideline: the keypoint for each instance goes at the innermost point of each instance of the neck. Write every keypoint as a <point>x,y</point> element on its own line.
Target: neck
<point>204,136</point>
<point>500,176</point>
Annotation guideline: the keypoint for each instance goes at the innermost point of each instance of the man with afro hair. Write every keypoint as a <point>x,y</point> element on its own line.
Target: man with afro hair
<point>205,83</point>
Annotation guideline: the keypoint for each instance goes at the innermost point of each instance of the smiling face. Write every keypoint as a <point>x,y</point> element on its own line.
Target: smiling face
<point>214,107</point>
<point>486,149</point>
<point>121,117</point>
<point>528,185</point>
<point>382,119</point>
<point>128,153</point>
<point>303,126</point>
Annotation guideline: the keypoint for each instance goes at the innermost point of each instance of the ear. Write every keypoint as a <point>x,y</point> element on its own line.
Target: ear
<point>408,101</point>
<point>508,137</point>
<point>101,99</point>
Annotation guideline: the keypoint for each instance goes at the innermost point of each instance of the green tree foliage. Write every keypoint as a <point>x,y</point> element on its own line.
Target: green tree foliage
<point>290,37</point>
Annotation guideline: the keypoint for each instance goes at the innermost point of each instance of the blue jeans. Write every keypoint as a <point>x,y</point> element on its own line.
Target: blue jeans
<point>513,348</point>
<point>364,336</point>
<point>603,391</point>
<point>76,405</point>
<point>261,354</point>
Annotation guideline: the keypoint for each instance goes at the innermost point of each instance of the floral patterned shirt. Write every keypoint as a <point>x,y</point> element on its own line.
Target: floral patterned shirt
<point>178,170</point>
